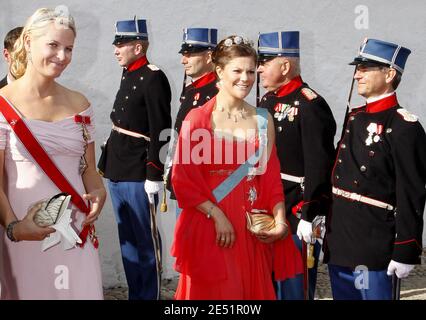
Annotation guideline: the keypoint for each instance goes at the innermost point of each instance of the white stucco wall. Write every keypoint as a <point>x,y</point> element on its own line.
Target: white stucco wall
<point>330,36</point>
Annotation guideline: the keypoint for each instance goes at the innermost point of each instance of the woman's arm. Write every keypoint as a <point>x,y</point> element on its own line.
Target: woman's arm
<point>95,190</point>
<point>25,229</point>
<point>225,234</point>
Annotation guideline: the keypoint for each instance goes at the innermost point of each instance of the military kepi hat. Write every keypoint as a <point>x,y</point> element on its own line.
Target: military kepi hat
<point>130,30</point>
<point>198,39</point>
<point>279,44</point>
<point>380,52</point>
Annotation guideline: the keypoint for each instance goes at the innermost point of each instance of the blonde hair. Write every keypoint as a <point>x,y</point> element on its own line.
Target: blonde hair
<point>35,27</point>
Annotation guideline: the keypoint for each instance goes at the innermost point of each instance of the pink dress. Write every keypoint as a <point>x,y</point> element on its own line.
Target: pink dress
<point>25,271</point>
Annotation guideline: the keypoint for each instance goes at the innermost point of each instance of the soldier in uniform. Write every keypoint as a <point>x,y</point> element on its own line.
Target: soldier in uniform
<point>9,41</point>
<point>378,180</point>
<point>196,50</point>
<point>304,129</point>
<point>132,155</point>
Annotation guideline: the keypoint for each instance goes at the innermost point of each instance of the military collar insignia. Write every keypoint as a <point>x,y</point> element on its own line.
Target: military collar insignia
<point>407,115</point>
<point>288,88</point>
<point>374,131</point>
<point>309,94</point>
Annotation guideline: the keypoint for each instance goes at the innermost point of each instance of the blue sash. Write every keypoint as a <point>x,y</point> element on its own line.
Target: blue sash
<point>222,190</point>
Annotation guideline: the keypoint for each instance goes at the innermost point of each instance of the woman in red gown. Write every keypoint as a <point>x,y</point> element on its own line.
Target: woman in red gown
<point>216,255</point>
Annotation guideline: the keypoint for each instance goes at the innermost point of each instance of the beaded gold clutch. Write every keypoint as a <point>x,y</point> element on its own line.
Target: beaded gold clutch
<point>258,221</point>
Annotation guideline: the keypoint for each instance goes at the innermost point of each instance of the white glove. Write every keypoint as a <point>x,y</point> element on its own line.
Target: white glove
<point>153,187</point>
<point>401,270</point>
<point>304,230</point>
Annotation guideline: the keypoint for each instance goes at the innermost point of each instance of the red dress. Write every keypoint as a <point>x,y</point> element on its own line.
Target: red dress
<point>208,271</point>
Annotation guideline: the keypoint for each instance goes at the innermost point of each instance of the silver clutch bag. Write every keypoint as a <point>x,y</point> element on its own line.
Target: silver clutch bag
<point>51,210</point>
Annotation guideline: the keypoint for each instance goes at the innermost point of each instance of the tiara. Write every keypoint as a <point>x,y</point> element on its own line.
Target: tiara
<point>237,40</point>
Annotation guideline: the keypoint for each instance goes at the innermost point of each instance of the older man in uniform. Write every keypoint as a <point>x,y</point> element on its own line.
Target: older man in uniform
<point>196,50</point>
<point>133,166</point>
<point>9,41</point>
<point>378,183</point>
<point>304,129</point>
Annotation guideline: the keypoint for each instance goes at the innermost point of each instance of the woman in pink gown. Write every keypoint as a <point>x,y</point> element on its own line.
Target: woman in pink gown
<point>217,256</point>
<point>54,114</point>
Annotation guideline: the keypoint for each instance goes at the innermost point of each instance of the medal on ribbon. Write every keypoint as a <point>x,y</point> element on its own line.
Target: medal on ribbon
<point>374,131</point>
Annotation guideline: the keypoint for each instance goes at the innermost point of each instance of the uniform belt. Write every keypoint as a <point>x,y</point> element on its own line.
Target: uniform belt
<point>130,133</point>
<point>289,177</point>
<point>357,197</point>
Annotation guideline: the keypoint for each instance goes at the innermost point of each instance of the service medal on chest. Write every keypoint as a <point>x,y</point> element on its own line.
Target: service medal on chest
<point>281,111</point>
<point>374,131</point>
<point>196,98</point>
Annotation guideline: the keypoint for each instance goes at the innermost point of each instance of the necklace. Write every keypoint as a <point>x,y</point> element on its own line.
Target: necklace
<point>240,114</point>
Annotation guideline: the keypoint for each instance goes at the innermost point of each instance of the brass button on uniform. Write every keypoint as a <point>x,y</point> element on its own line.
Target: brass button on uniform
<point>343,146</point>
<point>371,153</point>
<point>363,168</point>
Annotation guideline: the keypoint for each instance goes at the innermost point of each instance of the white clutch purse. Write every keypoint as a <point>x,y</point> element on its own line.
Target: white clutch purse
<point>56,214</point>
<point>51,210</point>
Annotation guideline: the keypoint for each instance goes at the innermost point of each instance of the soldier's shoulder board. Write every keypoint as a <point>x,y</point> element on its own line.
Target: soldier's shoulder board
<point>153,67</point>
<point>309,94</point>
<point>407,116</point>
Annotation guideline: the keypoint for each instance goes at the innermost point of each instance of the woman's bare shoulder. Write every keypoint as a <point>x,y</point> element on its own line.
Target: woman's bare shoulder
<point>76,100</point>
<point>7,91</point>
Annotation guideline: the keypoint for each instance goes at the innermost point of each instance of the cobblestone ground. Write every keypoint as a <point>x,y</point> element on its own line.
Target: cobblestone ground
<point>412,288</point>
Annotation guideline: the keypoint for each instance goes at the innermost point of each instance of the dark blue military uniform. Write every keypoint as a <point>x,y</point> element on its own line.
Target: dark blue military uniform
<point>140,113</point>
<point>304,130</point>
<point>198,92</point>
<point>379,179</point>
<point>142,105</point>
<point>304,136</point>
<point>386,163</point>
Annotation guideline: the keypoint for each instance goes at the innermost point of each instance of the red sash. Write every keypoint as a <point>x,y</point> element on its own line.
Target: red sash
<point>47,165</point>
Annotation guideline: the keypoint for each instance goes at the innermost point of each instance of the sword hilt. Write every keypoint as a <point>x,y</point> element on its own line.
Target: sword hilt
<point>163,206</point>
